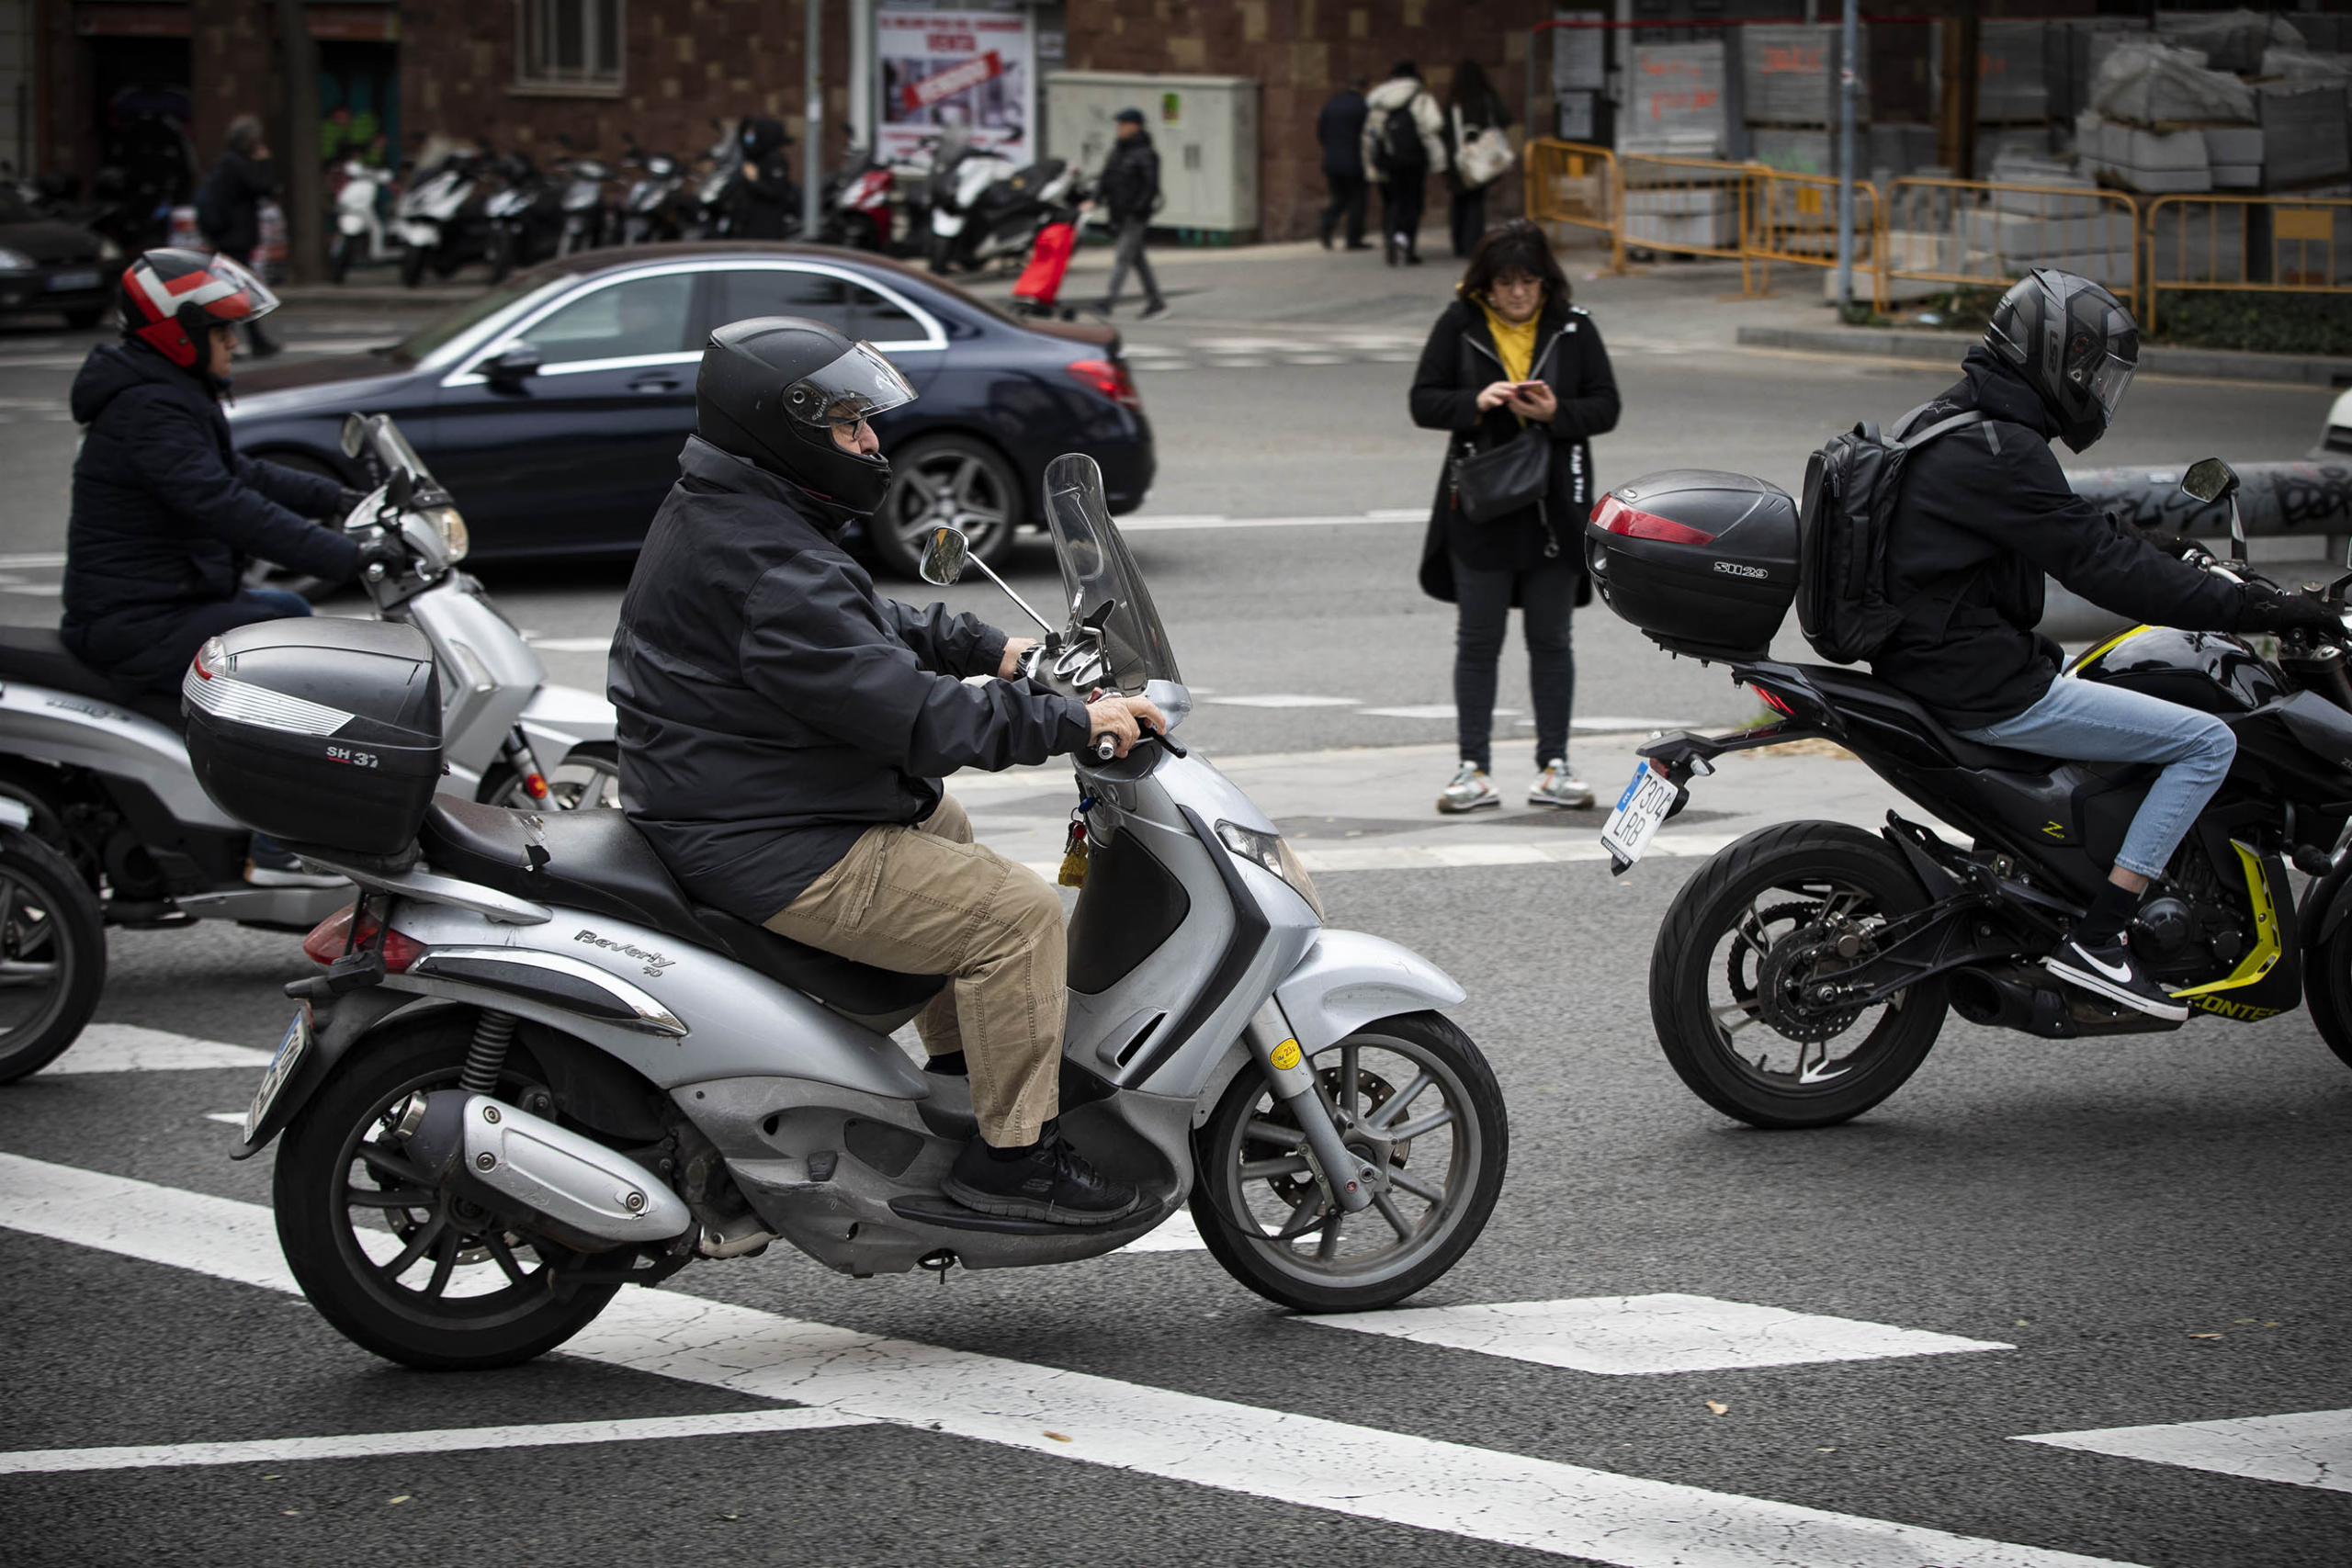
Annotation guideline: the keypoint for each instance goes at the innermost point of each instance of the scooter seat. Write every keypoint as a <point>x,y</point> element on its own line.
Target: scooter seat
<point>595,860</point>
<point>33,656</point>
<point>1854,688</point>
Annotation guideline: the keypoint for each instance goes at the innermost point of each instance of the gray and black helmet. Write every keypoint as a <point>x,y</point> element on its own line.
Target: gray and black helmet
<point>771,391</point>
<point>2073,343</point>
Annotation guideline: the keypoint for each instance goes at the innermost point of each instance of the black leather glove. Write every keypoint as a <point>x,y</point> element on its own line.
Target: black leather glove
<point>2269,611</point>
<point>348,501</point>
<point>383,552</point>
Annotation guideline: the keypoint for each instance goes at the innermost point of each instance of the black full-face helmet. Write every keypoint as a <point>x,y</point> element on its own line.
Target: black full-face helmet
<point>2073,343</point>
<point>772,390</point>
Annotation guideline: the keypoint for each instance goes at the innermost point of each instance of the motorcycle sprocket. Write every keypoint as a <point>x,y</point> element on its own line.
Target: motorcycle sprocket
<point>1786,969</point>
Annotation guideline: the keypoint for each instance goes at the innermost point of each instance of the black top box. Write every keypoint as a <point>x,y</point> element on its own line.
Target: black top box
<point>1705,563</point>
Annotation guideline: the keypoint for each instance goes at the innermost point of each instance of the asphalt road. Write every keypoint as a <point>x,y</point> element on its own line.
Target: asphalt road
<point>2145,1231</point>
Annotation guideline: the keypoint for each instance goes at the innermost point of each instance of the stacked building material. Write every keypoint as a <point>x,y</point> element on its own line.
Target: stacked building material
<point>2161,122</point>
<point>1790,97</point>
<point>2303,135</point>
<point>1677,103</point>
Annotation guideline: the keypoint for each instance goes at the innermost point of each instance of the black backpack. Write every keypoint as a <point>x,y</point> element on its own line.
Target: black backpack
<point>1399,150</point>
<point>1851,487</point>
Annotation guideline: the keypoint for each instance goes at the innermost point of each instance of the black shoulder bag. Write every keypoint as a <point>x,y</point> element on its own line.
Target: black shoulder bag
<point>1502,479</point>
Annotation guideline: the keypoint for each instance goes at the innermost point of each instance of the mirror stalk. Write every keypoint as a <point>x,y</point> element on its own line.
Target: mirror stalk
<point>1043,623</point>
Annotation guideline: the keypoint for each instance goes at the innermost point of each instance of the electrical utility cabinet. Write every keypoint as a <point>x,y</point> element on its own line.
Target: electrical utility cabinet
<point>1206,128</point>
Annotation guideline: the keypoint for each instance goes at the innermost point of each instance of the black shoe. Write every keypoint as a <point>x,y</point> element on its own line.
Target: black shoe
<point>1388,244</point>
<point>1412,258</point>
<point>1157,308</point>
<point>2106,969</point>
<point>1359,245</point>
<point>1326,237</point>
<point>1050,1182</point>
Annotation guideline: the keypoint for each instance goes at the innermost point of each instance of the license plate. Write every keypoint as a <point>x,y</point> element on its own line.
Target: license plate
<point>63,282</point>
<point>1639,811</point>
<point>290,1052</point>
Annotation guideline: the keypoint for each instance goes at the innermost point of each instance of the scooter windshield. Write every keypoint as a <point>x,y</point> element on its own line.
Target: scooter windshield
<point>394,452</point>
<point>1099,579</point>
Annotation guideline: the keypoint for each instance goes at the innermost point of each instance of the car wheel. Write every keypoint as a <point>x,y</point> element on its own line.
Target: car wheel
<point>956,479</point>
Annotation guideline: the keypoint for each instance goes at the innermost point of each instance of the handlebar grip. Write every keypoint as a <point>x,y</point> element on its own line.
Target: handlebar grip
<point>1104,747</point>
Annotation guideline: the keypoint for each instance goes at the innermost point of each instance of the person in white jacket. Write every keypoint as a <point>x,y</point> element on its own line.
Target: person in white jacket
<point>1404,144</point>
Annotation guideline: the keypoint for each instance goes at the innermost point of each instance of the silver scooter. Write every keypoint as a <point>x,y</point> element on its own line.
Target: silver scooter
<point>102,775</point>
<point>533,1070</point>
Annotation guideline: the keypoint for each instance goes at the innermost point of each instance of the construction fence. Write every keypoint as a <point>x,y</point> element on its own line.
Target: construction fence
<point>1923,235</point>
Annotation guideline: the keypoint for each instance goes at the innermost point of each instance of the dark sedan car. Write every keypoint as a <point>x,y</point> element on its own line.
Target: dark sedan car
<point>46,265</point>
<point>554,406</point>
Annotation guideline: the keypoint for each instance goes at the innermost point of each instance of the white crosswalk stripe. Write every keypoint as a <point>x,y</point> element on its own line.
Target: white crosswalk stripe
<point>133,1048</point>
<point>1479,1493</point>
<point>1619,1336</point>
<point>2311,1448</point>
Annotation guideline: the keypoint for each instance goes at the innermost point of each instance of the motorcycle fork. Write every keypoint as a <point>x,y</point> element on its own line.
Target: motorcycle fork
<point>1346,1179</point>
<point>526,764</point>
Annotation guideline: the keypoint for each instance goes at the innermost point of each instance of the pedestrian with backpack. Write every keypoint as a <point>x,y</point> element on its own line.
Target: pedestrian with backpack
<point>1403,144</point>
<point>228,207</point>
<point>1516,377</point>
<point>1339,129</point>
<point>1924,550</point>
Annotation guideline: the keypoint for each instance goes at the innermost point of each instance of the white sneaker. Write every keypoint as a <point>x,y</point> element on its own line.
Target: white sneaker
<point>1471,790</point>
<point>1557,786</point>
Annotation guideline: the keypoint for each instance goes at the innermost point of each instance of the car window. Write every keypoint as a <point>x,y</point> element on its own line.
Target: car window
<point>782,291</point>
<point>881,320</point>
<point>621,320</point>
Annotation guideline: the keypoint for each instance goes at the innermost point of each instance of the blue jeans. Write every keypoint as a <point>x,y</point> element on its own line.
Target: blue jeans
<point>1547,597</point>
<point>2082,721</point>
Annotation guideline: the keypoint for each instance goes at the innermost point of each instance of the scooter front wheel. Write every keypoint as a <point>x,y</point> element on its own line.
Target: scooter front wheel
<point>52,956</point>
<point>1416,1098</point>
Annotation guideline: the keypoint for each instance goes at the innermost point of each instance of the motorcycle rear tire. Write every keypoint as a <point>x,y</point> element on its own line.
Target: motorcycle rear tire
<point>433,1333</point>
<point>45,891</point>
<point>1682,963</point>
<point>412,260</point>
<point>2327,990</point>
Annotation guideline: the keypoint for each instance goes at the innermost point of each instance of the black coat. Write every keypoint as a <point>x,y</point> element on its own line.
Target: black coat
<point>232,199</point>
<point>166,510</point>
<point>1340,128</point>
<point>1985,512</point>
<point>1130,184</point>
<point>1460,359</point>
<point>773,705</point>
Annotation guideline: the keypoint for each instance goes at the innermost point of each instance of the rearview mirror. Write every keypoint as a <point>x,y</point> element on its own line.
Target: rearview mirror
<point>516,362</point>
<point>355,433</point>
<point>944,556</point>
<point>2210,479</point>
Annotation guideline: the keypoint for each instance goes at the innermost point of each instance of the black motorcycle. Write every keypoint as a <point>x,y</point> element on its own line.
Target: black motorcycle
<point>1803,974</point>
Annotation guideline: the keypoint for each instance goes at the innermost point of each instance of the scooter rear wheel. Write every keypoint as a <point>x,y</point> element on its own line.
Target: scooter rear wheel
<point>397,1267</point>
<point>1418,1101</point>
<point>52,956</point>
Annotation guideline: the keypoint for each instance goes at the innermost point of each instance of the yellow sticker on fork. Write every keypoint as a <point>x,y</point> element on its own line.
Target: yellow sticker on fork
<point>1287,1055</point>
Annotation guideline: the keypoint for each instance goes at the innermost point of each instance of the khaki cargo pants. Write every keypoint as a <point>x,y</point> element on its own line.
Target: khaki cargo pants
<point>927,900</point>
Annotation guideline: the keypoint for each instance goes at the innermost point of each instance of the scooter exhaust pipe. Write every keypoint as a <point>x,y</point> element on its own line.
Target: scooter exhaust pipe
<point>530,1171</point>
<point>2002,1001</point>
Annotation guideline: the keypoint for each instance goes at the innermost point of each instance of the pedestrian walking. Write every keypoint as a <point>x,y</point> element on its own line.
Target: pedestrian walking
<point>1517,377</point>
<point>1477,151</point>
<point>228,207</point>
<point>1402,145</point>
<point>1129,188</point>
<point>1340,128</point>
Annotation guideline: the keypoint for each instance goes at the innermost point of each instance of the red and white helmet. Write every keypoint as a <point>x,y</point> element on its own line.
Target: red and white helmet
<point>171,297</point>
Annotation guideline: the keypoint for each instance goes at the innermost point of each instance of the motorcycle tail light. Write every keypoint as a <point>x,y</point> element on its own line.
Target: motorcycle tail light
<point>332,936</point>
<point>1772,700</point>
<point>1615,517</point>
<point>1110,377</point>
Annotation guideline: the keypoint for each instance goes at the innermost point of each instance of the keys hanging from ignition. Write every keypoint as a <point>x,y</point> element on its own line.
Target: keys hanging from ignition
<point>1073,872</point>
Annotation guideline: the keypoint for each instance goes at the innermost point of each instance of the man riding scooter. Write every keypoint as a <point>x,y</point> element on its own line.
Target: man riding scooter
<point>783,730</point>
<point>1984,513</point>
<point>166,509</point>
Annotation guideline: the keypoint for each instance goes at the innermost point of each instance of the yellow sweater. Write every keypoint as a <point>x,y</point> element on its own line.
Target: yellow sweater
<point>1515,344</point>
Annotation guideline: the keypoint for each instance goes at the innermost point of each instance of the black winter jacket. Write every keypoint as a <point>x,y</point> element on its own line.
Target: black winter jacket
<point>166,509</point>
<point>1985,512</point>
<point>773,705</point>
<point>1130,183</point>
<point>233,195</point>
<point>1340,128</point>
<point>1460,359</point>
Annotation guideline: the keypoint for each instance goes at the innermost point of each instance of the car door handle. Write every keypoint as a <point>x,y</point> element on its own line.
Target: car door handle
<point>654,384</point>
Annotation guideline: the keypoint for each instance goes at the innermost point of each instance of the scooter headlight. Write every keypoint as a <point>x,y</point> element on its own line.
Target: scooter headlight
<point>447,522</point>
<point>1270,851</point>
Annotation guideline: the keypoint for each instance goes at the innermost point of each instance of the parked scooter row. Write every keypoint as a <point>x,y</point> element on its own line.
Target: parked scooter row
<point>101,779</point>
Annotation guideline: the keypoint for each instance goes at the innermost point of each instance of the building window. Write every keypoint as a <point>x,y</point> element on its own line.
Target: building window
<point>568,45</point>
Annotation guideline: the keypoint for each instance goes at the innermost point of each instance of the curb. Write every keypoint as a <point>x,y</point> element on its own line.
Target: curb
<point>2212,364</point>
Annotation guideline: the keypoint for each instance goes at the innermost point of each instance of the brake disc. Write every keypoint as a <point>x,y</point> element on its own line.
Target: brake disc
<point>1734,963</point>
<point>1780,980</point>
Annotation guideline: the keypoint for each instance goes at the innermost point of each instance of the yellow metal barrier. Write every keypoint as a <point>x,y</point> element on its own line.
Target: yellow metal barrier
<point>1988,232</point>
<point>1572,183</point>
<point>1695,207</point>
<point>1792,218</point>
<point>2282,244</point>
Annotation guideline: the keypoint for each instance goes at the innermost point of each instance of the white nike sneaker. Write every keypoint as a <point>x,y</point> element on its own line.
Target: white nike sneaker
<point>1557,786</point>
<point>2106,970</point>
<point>1471,790</point>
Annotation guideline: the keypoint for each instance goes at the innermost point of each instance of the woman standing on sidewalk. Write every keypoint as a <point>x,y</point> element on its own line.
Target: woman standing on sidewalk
<point>1511,356</point>
<point>1471,109</point>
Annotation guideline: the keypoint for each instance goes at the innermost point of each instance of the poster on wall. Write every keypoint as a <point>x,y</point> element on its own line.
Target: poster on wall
<point>966,69</point>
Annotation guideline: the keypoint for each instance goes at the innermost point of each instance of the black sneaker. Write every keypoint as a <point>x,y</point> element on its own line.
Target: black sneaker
<point>2106,970</point>
<point>1051,1181</point>
<point>1153,311</point>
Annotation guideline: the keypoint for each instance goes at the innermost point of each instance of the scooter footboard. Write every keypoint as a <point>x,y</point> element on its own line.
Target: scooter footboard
<point>1348,979</point>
